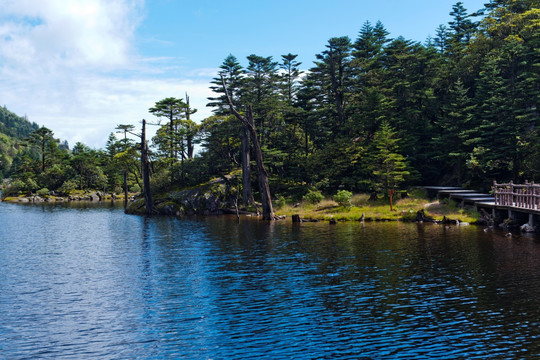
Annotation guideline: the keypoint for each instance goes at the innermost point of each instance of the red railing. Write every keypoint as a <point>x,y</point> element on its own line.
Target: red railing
<point>525,196</point>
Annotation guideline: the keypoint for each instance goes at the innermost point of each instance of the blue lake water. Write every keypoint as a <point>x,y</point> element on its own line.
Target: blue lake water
<point>85,281</point>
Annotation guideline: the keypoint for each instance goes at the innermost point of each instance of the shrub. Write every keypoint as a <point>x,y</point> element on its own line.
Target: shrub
<point>343,198</point>
<point>31,185</point>
<point>14,188</point>
<point>313,197</point>
<point>281,202</point>
<point>135,188</point>
<point>68,186</point>
<point>43,192</point>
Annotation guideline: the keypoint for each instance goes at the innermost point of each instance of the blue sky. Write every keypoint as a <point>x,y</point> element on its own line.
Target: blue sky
<point>80,67</point>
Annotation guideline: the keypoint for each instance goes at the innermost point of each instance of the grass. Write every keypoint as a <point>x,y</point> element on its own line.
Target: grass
<point>378,210</point>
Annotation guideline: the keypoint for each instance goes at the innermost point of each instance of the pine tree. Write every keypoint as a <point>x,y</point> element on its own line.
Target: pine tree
<point>232,72</point>
<point>390,168</point>
<point>291,73</point>
<point>167,137</point>
<point>454,131</point>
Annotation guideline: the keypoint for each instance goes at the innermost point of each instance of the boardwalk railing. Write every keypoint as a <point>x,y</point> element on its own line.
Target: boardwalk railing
<point>525,196</point>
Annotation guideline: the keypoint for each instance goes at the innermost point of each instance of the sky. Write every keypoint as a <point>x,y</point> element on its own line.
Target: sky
<point>82,67</point>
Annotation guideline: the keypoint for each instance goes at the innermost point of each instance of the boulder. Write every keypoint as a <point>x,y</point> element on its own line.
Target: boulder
<point>526,228</point>
<point>210,198</point>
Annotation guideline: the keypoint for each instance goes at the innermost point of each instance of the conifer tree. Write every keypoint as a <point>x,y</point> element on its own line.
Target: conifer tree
<point>390,168</point>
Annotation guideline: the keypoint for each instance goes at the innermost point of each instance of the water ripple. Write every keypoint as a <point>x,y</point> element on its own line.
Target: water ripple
<point>92,283</point>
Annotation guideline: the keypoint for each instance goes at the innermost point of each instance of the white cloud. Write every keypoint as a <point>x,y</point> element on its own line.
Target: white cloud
<point>70,65</point>
<point>60,33</point>
<point>102,103</point>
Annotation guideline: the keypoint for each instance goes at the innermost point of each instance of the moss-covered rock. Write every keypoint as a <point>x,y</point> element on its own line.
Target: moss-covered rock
<point>210,198</point>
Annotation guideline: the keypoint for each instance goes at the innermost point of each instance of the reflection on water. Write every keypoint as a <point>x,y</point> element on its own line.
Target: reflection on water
<point>90,282</point>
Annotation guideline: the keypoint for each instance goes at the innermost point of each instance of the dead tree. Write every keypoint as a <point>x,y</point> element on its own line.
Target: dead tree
<point>262,174</point>
<point>149,205</point>
<point>246,171</point>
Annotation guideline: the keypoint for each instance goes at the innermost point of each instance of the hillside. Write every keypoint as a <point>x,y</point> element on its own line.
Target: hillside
<point>13,128</point>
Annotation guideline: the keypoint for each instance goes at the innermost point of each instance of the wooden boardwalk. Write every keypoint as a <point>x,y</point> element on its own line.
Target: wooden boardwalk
<point>508,200</point>
<point>460,195</point>
<point>521,196</point>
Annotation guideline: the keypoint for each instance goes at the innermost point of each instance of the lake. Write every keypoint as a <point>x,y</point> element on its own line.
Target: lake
<point>85,281</point>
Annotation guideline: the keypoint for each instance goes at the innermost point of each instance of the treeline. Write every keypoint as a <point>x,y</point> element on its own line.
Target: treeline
<point>374,112</point>
<point>371,114</point>
<point>12,129</point>
<point>44,165</point>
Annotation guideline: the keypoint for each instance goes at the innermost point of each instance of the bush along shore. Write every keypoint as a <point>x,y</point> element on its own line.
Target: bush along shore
<point>78,195</point>
<point>362,207</point>
<point>221,196</point>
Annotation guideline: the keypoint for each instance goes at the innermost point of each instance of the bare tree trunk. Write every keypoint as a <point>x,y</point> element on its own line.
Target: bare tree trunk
<point>149,206</point>
<point>189,137</point>
<point>262,174</point>
<point>125,190</point>
<point>246,172</point>
<point>266,199</point>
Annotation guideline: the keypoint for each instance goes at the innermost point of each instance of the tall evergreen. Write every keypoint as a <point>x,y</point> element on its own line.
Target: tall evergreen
<point>232,72</point>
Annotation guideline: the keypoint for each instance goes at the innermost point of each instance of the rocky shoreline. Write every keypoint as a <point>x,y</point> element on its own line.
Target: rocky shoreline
<point>90,196</point>
<point>215,197</point>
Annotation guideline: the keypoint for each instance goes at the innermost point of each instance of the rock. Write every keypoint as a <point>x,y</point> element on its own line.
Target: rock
<point>526,228</point>
<point>167,208</point>
<point>421,216</point>
<point>508,224</point>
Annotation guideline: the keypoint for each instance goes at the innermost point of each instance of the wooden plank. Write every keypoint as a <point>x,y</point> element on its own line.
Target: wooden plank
<point>459,191</point>
<point>442,188</point>
<point>468,195</point>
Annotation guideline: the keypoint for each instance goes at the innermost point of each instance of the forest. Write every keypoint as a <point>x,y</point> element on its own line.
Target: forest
<point>371,114</point>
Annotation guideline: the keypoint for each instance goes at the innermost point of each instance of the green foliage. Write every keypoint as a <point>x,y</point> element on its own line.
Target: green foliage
<point>390,167</point>
<point>43,192</point>
<point>343,198</point>
<point>313,197</point>
<point>15,126</point>
<point>281,202</point>
<point>68,186</point>
<point>372,113</point>
<point>14,188</point>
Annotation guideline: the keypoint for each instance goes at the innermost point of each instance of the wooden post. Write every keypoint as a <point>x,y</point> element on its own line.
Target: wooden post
<point>495,192</point>
<point>391,195</point>
<point>511,202</point>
